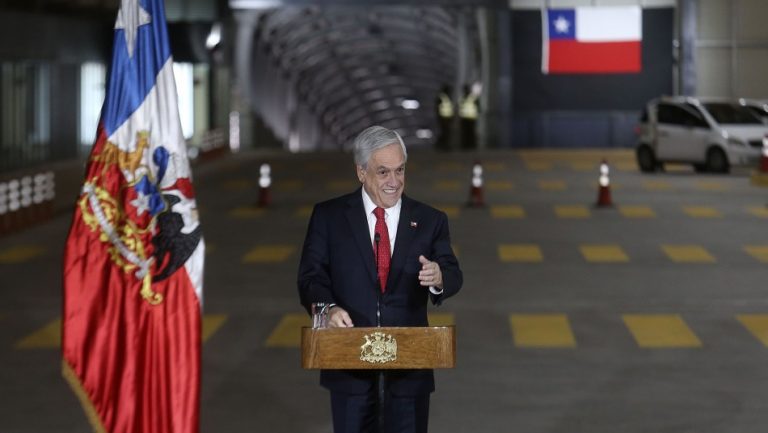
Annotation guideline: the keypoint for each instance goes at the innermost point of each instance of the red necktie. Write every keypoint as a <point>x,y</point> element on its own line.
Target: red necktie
<point>381,248</point>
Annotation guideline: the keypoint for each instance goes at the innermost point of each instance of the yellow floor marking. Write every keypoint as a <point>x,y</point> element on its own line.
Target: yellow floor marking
<point>758,211</point>
<point>575,211</point>
<point>448,185</point>
<point>20,254</point>
<point>47,337</point>
<point>660,331</point>
<point>538,166</point>
<point>584,166</point>
<point>552,185</point>
<point>688,254</point>
<point>288,185</point>
<point>625,166</point>
<point>760,252</point>
<point>710,185</point>
<point>494,166</point>
<point>603,253</point>
<point>499,185</point>
<point>304,211</point>
<point>211,324</point>
<point>342,185</point>
<point>541,330</point>
<point>269,254</point>
<point>451,211</point>
<point>637,212</point>
<point>238,184</point>
<point>507,211</point>
<point>441,319</point>
<point>702,212</point>
<point>245,212</point>
<point>287,333</point>
<point>657,185</point>
<point>450,166</point>
<point>529,253</point>
<point>757,324</point>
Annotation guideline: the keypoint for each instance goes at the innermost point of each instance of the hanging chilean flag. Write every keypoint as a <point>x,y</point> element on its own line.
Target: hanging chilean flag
<point>133,260</point>
<point>592,40</point>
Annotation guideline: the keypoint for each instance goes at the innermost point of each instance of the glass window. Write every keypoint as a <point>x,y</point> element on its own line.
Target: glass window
<point>92,85</point>
<point>729,113</point>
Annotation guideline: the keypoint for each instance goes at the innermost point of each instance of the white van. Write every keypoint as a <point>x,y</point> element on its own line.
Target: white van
<point>709,133</point>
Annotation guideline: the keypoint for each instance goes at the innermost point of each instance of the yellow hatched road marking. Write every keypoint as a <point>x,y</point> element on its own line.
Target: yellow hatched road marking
<point>574,211</point>
<point>760,252</point>
<point>529,253</point>
<point>287,333</point>
<point>552,185</point>
<point>246,212</point>
<point>542,330</point>
<point>710,185</point>
<point>49,336</point>
<point>304,211</point>
<point>625,165</point>
<point>637,212</point>
<point>269,254</point>
<point>447,185</point>
<point>688,254</point>
<point>583,166</point>
<point>758,211</point>
<point>507,211</point>
<point>660,331</point>
<point>289,185</point>
<point>237,184</point>
<point>20,254</point>
<point>603,253</point>
<point>538,165</point>
<point>451,211</point>
<point>757,324</point>
<point>499,185</point>
<point>342,185</point>
<point>702,212</point>
<point>657,185</point>
<point>449,166</point>
<point>211,324</point>
<point>494,166</point>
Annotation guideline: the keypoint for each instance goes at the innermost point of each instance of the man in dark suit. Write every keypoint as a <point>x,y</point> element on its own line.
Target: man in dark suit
<point>376,257</point>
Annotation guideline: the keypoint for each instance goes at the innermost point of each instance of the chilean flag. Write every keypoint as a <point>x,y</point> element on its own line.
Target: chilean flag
<point>592,40</point>
<point>133,262</point>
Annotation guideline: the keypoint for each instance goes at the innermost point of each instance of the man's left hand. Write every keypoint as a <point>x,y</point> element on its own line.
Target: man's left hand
<point>430,274</point>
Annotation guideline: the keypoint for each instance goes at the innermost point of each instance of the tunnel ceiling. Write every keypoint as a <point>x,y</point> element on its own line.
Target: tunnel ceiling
<point>354,66</point>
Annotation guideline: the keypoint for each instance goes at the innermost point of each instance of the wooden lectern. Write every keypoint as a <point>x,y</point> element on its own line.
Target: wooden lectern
<point>378,348</point>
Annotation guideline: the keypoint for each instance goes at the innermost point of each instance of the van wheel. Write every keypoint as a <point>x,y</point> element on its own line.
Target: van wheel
<point>646,160</point>
<point>717,162</point>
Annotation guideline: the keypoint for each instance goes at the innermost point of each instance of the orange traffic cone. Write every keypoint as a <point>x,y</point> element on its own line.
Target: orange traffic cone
<point>265,181</point>
<point>604,190</point>
<point>476,190</point>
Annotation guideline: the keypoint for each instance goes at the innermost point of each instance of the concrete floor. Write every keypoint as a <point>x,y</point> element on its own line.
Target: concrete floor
<point>606,331</point>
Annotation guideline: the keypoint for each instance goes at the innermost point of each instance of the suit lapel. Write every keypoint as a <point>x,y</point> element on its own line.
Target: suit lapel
<point>405,234</point>
<point>359,224</point>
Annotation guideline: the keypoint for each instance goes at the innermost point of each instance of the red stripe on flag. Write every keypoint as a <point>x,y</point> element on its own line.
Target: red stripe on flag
<point>567,56</point>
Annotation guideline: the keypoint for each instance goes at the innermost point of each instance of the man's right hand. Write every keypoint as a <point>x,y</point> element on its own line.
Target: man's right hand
<point>339,318</point>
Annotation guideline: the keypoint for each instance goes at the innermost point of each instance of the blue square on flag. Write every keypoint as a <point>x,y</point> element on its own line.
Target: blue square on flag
<point>562,24</point>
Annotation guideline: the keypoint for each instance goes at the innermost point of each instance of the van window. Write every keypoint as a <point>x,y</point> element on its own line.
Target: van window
<point>683,115</point>
<point>727,113</point>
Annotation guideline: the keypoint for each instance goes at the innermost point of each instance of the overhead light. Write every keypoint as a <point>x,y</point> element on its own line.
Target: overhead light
<point>410,104</point>
<point>424,134</point>
<point>255,4</point>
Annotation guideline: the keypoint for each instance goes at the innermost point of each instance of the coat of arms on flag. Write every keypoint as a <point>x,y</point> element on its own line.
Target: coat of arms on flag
<point>592,40</point>
<point>134,256</point>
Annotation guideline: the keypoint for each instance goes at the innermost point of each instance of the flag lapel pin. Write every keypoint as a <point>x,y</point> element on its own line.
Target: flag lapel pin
<point>414,224</point>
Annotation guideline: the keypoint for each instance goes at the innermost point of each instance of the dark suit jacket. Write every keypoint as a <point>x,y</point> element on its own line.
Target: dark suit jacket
<point>338,266</point>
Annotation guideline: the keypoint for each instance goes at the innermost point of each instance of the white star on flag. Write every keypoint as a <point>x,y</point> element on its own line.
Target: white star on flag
<point>130,16</point>
<point>141,203</point>
<point>561,24</point>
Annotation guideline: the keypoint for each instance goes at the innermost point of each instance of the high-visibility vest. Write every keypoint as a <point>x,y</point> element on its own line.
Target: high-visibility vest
<point>468,107</point>
<point>445,108</point>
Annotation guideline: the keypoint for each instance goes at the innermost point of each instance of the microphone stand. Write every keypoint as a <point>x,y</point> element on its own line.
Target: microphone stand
<point>376,240</point>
